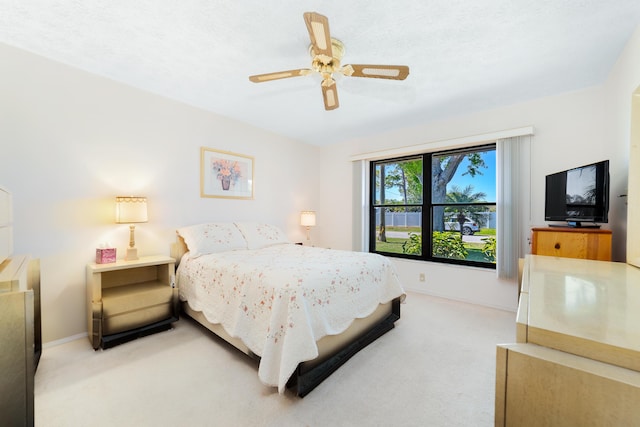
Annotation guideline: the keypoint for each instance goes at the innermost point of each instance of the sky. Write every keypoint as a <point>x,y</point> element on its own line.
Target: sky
<point>485,183</point>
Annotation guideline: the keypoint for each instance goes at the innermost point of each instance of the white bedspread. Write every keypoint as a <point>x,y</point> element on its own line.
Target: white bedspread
<point>281,299</point>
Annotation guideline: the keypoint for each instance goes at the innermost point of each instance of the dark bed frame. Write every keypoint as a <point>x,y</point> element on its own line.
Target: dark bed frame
<point>303,380</point>
<point>307,377</point>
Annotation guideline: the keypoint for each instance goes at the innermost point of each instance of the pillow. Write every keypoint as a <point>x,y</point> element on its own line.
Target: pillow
<point>260,235</point>
<point>210,238</point>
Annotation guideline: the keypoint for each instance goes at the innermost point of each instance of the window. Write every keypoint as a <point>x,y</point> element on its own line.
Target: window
<point>449,196</point>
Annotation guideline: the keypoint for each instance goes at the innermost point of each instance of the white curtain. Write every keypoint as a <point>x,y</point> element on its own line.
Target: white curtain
<point>360,208</point>
<point>513,202</point>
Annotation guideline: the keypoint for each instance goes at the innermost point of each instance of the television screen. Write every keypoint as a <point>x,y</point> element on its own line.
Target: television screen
<point>578,195</point>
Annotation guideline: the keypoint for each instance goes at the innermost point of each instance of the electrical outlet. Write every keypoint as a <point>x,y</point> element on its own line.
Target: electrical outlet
<point>422,278</point>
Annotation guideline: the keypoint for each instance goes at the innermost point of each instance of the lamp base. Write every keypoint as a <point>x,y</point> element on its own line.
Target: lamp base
<point>132,254</point>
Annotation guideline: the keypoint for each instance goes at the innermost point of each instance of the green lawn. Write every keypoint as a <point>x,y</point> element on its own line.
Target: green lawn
<point>393,245</point>
<point>475,255</point>
<point>486,232</point>
<point>474,250</point>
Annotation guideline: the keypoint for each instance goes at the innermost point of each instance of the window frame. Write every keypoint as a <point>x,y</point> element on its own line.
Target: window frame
<point>426,206</point>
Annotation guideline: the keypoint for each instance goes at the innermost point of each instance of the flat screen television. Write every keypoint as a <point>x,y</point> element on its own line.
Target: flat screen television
<point>579,195</point>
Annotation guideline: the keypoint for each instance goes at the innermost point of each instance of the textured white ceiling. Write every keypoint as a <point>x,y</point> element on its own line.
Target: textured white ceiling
<point>464,55</point>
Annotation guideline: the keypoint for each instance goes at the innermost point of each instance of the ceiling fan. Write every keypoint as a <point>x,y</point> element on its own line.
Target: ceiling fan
<point>326,53</point>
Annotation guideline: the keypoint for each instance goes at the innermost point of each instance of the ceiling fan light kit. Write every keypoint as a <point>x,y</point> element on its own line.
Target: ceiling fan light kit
<point>326,54</point>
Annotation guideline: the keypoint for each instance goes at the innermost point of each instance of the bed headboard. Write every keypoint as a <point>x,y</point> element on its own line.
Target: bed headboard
<point>6,232</point>
<point>178,249</point>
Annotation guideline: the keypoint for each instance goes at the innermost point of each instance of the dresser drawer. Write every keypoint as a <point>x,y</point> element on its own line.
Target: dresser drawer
<point>572,243</point>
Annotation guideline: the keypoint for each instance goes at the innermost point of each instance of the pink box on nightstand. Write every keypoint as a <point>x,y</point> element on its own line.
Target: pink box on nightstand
<point>105,255</point>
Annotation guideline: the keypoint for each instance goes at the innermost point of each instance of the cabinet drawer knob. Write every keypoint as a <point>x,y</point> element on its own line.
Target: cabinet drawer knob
<point>557,246</point>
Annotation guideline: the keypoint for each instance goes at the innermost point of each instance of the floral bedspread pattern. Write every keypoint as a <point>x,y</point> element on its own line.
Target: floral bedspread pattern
<point>281,299</point>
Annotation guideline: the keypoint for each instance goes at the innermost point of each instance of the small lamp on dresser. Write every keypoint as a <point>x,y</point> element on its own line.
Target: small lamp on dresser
<point>131,210</point>
<point>308,220</point>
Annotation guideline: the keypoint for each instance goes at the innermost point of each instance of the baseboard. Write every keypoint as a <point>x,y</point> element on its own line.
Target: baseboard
<point>65,340</point>
<point>466,301</point>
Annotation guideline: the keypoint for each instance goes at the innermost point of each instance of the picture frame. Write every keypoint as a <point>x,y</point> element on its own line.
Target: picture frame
<point>226,175</point>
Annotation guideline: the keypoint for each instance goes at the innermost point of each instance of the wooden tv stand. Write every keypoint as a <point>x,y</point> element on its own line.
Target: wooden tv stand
<point>572,242</point>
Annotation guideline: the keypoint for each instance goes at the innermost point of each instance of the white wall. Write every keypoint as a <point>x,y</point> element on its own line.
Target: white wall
<point>571,129</point>
<point>623,81</point>
<point>71,141</point>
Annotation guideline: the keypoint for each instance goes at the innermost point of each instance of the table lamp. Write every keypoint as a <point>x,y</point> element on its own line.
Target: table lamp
<point>308,220</point>
<point>131,210</point>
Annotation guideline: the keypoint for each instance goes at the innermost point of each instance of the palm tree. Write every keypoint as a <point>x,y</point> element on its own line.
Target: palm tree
<point>466,196</point>
<point>443,169</point>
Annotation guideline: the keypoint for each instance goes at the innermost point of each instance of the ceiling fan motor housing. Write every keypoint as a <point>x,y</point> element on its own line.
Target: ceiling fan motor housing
<point>325,64</point>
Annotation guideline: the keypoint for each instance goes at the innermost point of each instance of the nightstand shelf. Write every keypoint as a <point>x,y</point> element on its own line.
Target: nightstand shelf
<point>130,299</point>
<point>109,341</point>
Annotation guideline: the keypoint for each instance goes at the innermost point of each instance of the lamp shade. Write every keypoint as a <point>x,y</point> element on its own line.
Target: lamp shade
<point>130,209</point>
<point>308,218</point>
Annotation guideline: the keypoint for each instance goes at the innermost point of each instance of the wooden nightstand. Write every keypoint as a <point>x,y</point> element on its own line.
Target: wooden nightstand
<point>130,299</point>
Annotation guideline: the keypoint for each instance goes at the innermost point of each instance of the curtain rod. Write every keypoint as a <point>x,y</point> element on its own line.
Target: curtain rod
<point>445,143</point>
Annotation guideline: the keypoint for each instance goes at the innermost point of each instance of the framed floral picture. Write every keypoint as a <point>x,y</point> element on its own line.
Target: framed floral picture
<point>225,174</point>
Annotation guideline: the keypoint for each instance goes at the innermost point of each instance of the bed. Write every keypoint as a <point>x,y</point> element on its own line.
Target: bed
<point>301,311</point>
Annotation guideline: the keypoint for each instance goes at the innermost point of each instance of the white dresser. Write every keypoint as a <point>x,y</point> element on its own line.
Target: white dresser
<point>577,356</point>
<point>20,334</point>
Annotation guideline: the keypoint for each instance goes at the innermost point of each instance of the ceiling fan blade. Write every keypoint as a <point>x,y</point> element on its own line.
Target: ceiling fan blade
<point>330,94</point>
<point>393,72</point>
<point>259,78</point>
<point>318,27</point>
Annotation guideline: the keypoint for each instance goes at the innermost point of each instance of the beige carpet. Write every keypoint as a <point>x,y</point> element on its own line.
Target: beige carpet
<point>436,368</point>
